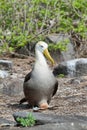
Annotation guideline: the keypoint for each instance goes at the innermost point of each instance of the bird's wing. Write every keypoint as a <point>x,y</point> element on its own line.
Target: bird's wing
<point>28,76</point>
<point>55,88</point>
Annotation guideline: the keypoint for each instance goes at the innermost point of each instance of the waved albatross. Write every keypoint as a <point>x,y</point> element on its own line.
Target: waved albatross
<point>40,84</point>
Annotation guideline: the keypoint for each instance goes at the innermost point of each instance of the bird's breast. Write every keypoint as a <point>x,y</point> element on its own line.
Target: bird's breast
<point>43,78</point>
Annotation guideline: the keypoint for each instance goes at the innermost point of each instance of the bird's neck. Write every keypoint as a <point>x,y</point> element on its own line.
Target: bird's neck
<point>40,59</point>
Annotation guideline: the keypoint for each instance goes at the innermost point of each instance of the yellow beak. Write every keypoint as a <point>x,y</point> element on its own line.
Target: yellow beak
<point>48,56</point>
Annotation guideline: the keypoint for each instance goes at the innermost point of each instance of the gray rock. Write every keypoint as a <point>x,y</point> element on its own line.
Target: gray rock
<point>5,68</point>
<point>76,67</point>
<point>55,122</point>
<point>81,66</point>
<point>23,50</point>
<point>6,64</point>
<point>27,49</point>
<point>42,118</point>
<point>69,54</point>
<point>61,55</point>
<point>3,74</point>
<point>4,122</point>
<point>60,69</point>
<point>56,126</point>
<point>60,126</point>
<point>11,87</point>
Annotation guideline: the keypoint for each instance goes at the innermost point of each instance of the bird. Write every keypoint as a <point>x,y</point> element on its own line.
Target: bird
<point>40,84</point>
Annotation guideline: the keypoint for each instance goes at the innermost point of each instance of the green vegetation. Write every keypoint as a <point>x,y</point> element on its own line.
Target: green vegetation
<point>26,122</point>
<point>61,76</point>
<point>62,45</point>
<point>27,21</point>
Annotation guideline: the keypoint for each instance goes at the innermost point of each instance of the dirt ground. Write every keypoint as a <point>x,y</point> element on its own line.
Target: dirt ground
<point>70,99</point>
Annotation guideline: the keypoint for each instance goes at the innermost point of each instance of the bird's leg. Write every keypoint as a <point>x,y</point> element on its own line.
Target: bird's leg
<point>43,105</point>
<point>36,109</point>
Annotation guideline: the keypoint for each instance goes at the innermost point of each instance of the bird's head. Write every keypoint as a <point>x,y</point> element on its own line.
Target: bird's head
<point>43,48</point>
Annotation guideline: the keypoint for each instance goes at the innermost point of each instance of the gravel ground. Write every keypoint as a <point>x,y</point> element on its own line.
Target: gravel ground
<point>70,99</point>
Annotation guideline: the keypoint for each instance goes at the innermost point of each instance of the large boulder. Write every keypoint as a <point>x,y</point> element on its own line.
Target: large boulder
<point>61,55</point>
<point>54,122</point>
<point>76,67</point>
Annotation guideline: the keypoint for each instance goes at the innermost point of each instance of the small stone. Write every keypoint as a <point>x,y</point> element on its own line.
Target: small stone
<point>6,64</point>
<point>3,74</point>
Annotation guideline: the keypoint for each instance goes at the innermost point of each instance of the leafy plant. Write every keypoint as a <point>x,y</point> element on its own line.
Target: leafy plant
<point>32,20</point>
<point>61,76</point>
<point>28,121</point>
<point>62,45</point>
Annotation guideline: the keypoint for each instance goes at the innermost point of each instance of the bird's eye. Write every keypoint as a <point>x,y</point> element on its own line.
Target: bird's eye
<point>41,46</point>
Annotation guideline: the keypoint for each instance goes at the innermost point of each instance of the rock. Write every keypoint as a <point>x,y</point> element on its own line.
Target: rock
<point>11,87</point>
<point>69,54</point>
<point>60,69</point>
<point>61,55</point>
<point>5,67</point>
<point>3,74</point>
<point>27,50</point>
<point>76,67</point>
<point>23,50</point>
<point>60,126</point>
<point>81,67</point>
<point>42,118</point>
<point>4,122</point>
<point>6,64</point>
<point>57,126</point>
<point>55,122</point>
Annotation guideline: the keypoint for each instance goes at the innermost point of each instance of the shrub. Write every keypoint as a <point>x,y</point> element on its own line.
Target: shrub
<point>28,121</point>
<point>27,21</point>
